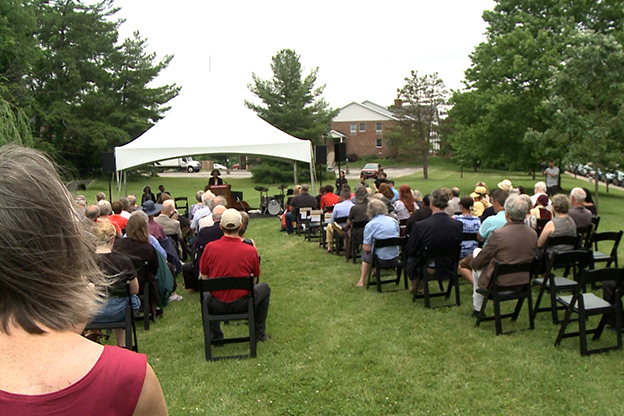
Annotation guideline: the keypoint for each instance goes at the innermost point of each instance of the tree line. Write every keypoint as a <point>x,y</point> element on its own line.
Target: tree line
<point>69,85</point>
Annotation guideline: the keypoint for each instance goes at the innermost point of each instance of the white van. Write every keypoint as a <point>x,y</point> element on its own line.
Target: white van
<point>181,163</point>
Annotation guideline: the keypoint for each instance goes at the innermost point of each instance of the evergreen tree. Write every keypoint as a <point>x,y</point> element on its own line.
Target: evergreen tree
<point>290,102</point>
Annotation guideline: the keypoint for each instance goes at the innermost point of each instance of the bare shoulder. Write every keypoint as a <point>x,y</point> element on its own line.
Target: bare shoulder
<point>151,400</point>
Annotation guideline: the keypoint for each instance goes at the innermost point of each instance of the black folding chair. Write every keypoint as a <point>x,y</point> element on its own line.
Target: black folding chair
<point>599,257</point>
<point>588,304</point>
<point>500,294</point>
<point>228,283</point>
<point>181,203</point>
<point>574,260</point>
<point>338,242</point>
<point>127,324</point>
<point>397,265</point>
<point>147,314</point>
<point>449,256</point>
<point>356,243</point>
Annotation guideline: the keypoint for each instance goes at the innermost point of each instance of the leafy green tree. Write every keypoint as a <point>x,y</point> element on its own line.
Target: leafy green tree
<point>290,102</point>
<point>510,77</point>
<point>423,100</point>
<point>17,52</point>
<point>586,101</point>
<point>90,92</point>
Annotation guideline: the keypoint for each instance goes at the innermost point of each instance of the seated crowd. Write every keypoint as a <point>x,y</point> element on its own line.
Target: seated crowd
<point>505,226</point>
<point>148,244</point>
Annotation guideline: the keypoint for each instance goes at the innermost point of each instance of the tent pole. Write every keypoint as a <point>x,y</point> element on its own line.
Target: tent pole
<point>295,171</point>
<point>125,182</point>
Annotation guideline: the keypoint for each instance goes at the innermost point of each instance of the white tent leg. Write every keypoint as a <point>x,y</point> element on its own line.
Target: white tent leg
<point>295,172</point>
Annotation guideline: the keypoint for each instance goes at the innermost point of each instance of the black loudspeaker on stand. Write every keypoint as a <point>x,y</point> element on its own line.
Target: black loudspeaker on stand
<point>320,159</point>
<point>321,155</point>
<point>340,150</point>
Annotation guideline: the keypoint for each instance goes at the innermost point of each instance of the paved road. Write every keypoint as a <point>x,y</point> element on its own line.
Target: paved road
<point>354,174</point>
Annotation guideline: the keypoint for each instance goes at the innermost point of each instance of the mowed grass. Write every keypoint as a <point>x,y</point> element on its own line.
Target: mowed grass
<point>340,350</point>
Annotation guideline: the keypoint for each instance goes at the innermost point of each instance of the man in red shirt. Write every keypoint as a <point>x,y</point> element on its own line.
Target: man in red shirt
<point>231,257</point>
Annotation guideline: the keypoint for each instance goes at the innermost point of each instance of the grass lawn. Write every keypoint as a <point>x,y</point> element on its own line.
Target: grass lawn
<point>340,350</point>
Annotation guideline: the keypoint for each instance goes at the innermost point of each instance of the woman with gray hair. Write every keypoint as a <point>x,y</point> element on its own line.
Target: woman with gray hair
<point>50,287</point>
<point>561,225</point>
<point>380,226</point>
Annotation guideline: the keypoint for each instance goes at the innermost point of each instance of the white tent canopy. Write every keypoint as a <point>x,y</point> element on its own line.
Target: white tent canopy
<point>229,132</point>
<point>200,128</point>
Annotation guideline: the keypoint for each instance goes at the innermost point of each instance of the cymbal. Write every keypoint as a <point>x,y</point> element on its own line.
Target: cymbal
<point>282,186</point>
<point>261,189</point>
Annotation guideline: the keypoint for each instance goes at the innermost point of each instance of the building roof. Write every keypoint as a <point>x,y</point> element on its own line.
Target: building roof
<point>366,111</point>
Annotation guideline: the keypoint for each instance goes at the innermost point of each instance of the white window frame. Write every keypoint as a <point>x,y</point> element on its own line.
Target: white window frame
<point>379,143</point>
<point>378,128</point>
<point>362,127</point>
<point>353,128</point>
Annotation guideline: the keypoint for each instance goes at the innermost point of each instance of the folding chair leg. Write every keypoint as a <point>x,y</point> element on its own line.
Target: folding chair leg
<point>497,317</point>
<point>583,331</point>
<point>517,309</point>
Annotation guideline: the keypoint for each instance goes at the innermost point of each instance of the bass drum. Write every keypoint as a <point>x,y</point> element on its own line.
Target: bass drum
<point>274,207</point>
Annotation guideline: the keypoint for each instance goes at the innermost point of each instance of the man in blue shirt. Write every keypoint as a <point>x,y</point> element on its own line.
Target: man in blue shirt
<point>380,226</point>
<point>341,210</point>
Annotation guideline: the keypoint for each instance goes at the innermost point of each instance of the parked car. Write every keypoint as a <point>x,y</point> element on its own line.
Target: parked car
<point>219,166</point>
<point>618,178</point>
<point>370,170</point>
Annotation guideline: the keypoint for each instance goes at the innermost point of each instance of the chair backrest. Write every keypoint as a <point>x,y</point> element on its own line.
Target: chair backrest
<point>595,221</point>
<point>358,224</point>
<point>340,220</point>
<point>304,212</point>
<point>469,237</point>
<point>181,202</point>
<point>603,275</point>
<point>327,217</point>
<point>316,215</point>
<point>226,283</point>
<point>586,234</point>
<point>501,269</point>
<point>575,259</point>
<point>564,240</point>
<point>450,252</point>
<point>614,236</point>
<point>389,242</point>
<point>541,223</point>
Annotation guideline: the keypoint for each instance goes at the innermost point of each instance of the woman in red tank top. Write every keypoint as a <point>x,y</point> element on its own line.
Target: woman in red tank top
<point>50,287</point>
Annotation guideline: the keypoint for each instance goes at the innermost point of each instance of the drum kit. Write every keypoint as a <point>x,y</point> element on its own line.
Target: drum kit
<point>271,205</point>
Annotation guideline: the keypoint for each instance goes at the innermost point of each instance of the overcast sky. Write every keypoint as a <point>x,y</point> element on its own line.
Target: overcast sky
<point>363,50</point>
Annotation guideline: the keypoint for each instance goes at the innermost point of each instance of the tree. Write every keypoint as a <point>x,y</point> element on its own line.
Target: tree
<point>89,92</point>
<point>586,101</point>
<point>17,51</point>
<point>423,100</point>
<point>290,102</point>
<point>510,77</point>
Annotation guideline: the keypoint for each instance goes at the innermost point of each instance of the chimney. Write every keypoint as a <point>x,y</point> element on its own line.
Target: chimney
<point>398,102</point>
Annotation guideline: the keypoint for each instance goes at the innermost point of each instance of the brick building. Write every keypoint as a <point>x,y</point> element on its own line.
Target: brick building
<point>363,126</point>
